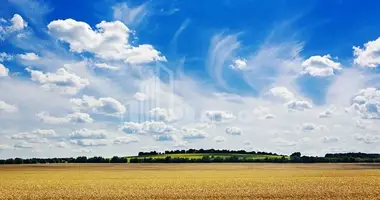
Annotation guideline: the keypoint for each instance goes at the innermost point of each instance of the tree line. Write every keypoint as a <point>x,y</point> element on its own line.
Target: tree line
<point>143,157</point>
<point>211,151</point>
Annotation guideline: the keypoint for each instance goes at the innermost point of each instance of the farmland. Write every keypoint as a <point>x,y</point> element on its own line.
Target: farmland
<point>201,155</point>
<point>190,181</point>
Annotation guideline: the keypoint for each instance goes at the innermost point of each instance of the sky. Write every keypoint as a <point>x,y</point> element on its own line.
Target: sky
<point>109,77</point>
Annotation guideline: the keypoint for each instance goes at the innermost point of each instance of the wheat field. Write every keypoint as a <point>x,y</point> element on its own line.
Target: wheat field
<point>190,181</point>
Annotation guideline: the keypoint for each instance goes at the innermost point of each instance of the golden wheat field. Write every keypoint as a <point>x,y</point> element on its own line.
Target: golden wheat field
<point>190,181</point>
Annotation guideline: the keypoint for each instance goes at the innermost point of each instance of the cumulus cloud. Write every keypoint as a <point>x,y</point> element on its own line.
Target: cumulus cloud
<point>105,105</point>
<point>90,142</point>
<point>140,96</point>
<point>29,56</point>
<point>320,66</point>
<point>5,107</point>
<point>366,103</point>
<point>192,134</point>
<point>165,138</point>
<point>45,132</point>
<point>234,131</point>
<point>108,41</point>
<point>239,64</point>
<point>126,140</point>
<point>298,105</point>
<point>28,137</point>
<point>75,117</point>
<point>62,80</point>
<point>5,57</point>
<point>281,94</point>
<point>3,71</point>
<point>18,23</point>
<point>88,134</point>
<point>307,127</point>
<point>148,127</point>
<point>219,116</point>
<point>15,24</point>
<point>181,144</point>
<point>327,113</point>
<point>369,55</point>
<point>162,114</point>
<point>219,139</point>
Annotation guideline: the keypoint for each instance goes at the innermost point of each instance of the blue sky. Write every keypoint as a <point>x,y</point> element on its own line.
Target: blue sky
<point>278,73</point>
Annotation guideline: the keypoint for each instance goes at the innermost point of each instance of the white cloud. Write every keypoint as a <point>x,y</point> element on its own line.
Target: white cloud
<point>148,127</point>
<point>106,105</point>
<point>165,138</point>
<point>28,137</point>
<point>320,66</point>
<point>368,138</point>
<point>45,132</point>
<point>368,56</point>
<point>62,80</point>
<point>78,117</point>
<point>327,113</point>
<point>75,117</point>
<point>5,57</point>
<point>219,139</point>
<point>109,41</point>
<point>140,96</point>
<point>3,71</point>
<point>18,23</point>
<point>62,145</point>
<point>126,140</point>
<point>23,145</point>
<point>216,116</point>
<point>192,134</point>
<point>239,64</point>
<point>234,131</point>
<point>247,143</point>
<point>281,94</point>
<point>88,134</point>
<point>29,56</point>
<point>181,144</point>
<point>329,139</point>
<point>298,105</point>
<point>106,66</point>
<point>5,107</point>
<point>307,127</point>
<point>129,15</point>
<point>90,142</point>
<point>162,114</point>
<point>367,103</point>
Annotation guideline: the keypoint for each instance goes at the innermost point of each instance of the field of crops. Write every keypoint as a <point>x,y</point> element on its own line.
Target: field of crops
<point>200,155</point>
<point>190,181</point>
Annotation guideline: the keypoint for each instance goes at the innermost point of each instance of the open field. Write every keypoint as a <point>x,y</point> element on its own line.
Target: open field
<point>190,181</point>
<point>200,155</point>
